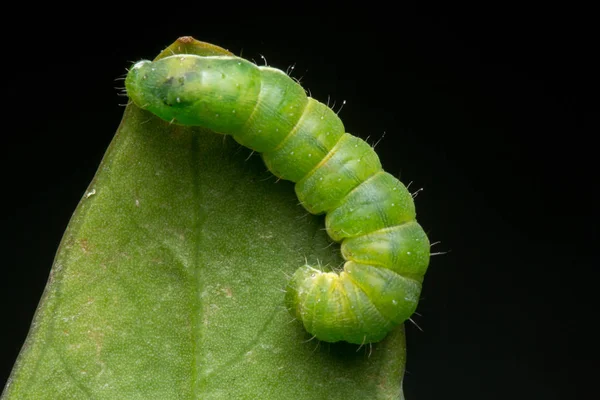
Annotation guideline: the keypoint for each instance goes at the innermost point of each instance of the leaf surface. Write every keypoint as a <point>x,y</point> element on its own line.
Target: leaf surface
<point>168,283</point>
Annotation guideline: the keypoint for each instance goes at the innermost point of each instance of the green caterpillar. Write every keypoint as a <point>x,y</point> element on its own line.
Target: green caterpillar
<point>368,210</point>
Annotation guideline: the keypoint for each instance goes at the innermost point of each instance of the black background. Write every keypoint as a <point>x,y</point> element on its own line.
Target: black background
<point>486,109</point>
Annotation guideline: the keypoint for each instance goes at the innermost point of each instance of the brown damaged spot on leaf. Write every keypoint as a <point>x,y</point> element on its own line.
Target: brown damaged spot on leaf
<point>85,245</point>
<point>189,45</point>
<point>186,40</point>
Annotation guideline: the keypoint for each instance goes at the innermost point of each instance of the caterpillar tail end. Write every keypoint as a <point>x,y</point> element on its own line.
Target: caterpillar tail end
<point>332,308</point>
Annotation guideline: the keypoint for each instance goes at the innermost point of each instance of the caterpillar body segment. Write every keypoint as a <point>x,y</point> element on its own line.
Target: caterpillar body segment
<point>369,211</point>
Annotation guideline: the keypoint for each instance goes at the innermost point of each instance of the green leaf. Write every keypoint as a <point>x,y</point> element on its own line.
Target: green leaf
<point>168,283</point>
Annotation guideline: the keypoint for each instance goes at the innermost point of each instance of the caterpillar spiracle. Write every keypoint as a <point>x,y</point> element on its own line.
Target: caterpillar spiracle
<point>369,211</point>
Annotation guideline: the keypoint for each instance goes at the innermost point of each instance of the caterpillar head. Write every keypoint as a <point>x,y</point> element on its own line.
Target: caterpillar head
<point>134,82</point>
<point>190,90</point>
<point>161,89</point>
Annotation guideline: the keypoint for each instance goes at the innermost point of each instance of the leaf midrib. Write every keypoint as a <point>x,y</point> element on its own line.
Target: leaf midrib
<point>196,308</point>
